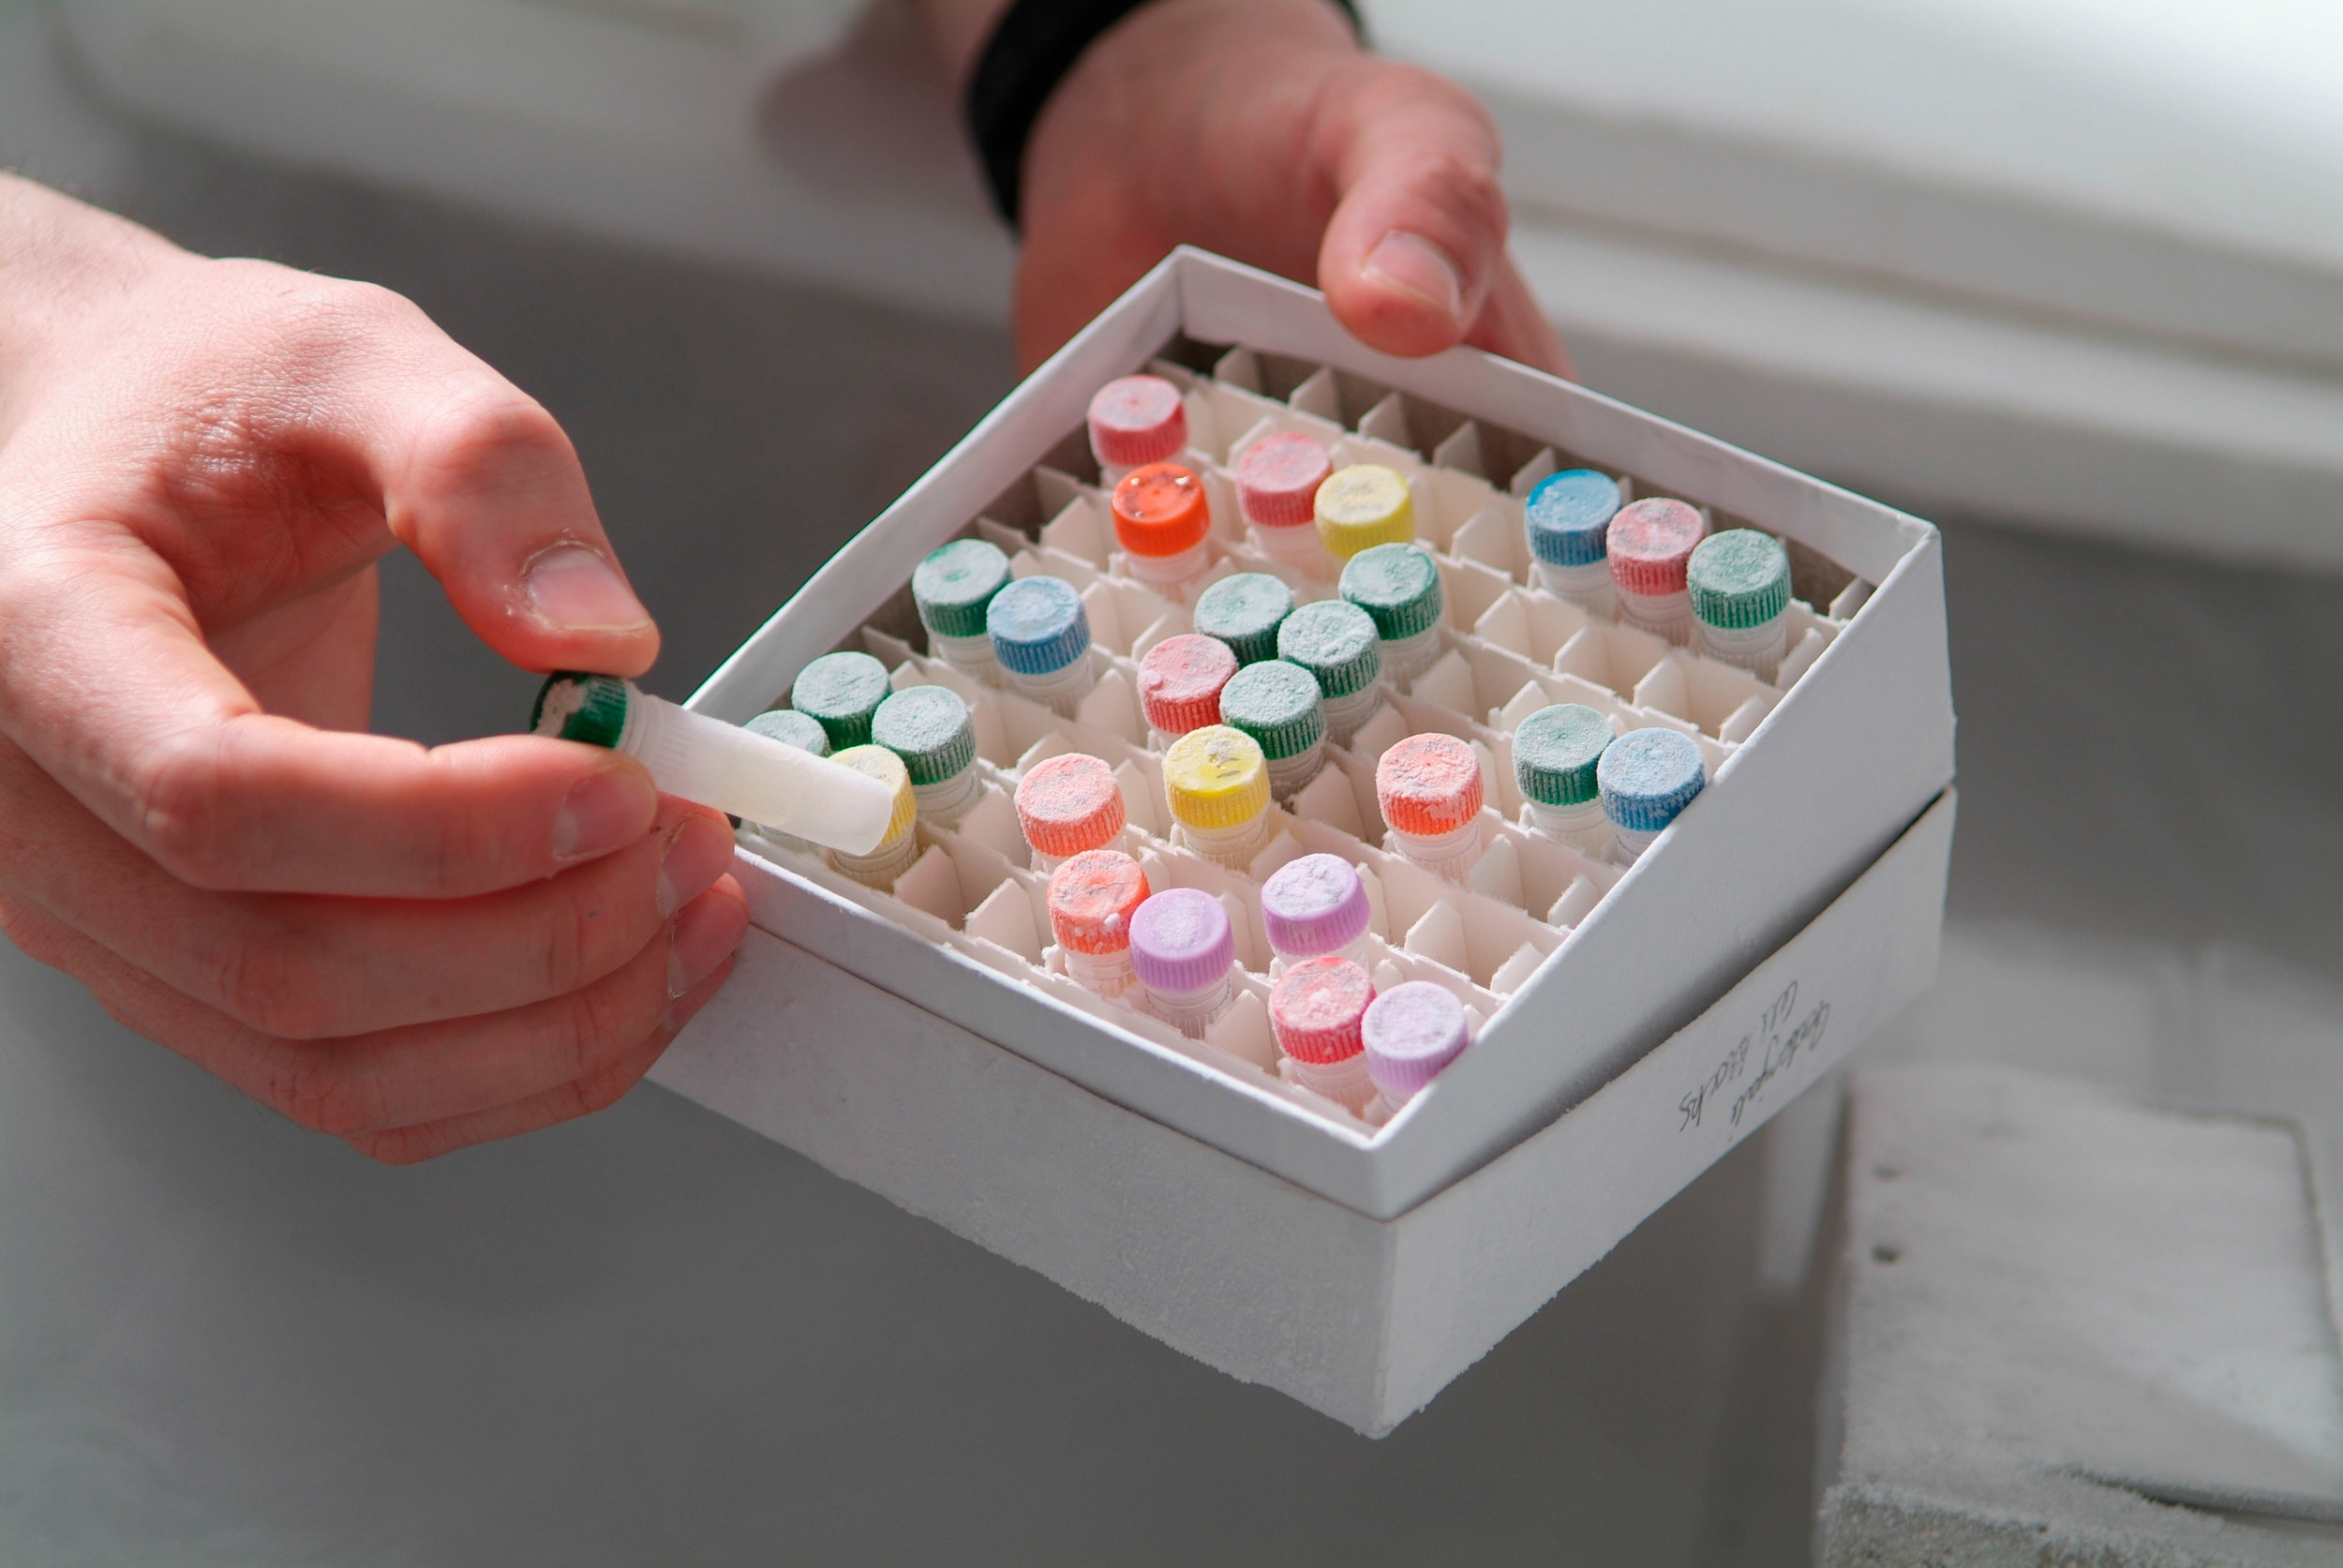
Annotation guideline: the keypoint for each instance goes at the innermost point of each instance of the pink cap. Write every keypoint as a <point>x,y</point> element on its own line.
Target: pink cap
<point>1180,681</point>
<point>1650,542</point>
<point>1181,941</point>
<point>1429,784</point>
<point>1315,905</point>
<point>1068,803</point>
<point>1137,420</point>
<point>1091,898</point>
<point>1316,1008</point>
<point>1277,480</point>
<point>1411,1032</point>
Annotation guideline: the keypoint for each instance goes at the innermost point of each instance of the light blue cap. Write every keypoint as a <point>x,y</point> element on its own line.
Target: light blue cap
<point>1569,516</point>
<point>1647,777</point>
<point>1038,626</point>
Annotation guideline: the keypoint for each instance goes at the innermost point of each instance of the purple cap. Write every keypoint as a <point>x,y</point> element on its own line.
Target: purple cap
<point>1413,1031</point>
<point>1315,905</point>
<point>1181,941</point>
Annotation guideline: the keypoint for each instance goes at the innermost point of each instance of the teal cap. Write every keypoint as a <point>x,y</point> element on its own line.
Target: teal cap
<point>840,690</point>
<point>1244,611</point>
<point>791,728</point>
<point>1278,705</point>
<point>575,706</point>
<point>1398,586</point>
<point>953,585</point>
<point>928,728</point>
<point>1738,579</point>
<point>1555,753</point>
<point>1335,641</point>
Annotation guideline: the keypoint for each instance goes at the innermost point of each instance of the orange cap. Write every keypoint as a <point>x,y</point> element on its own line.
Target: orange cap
<point>1180,681</point>
<point>1068,803</point>
<point>1316,1008</point>
<point>1159,511</point>
<point>1091,900</point>
<point>1428,784</point>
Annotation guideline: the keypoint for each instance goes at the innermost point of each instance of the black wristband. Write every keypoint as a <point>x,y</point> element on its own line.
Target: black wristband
<point>1029,53</point>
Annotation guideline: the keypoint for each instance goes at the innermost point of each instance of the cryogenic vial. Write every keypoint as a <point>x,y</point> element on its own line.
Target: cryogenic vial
<point>1161,520</point>
<point>952,589</point>
<point>1567,517</point>
<point>1739,583</point>
<point>901,846</point>
<point>1646,776</point>
<point>1276,487</point>
<point>931,730</point>
<point>1399,588</point>
<point>791,728</point>
<point>839,692</point>
<point>1279,706</point>
<point>1179,685</point>
<point>1244,611</point>
<point>1411,1032</point>
<point>1216,782</point>
<point>1315,907</point>
<point>1182,953</point>
<point>1649,544</point>
<point>1315,1010</point>
<point>1555,753</point>
<point>1135,421</point>
<point>1429,786</point>
<point>1067,804</point>
<point>1362,506</point>
<point>1335,640</point>
<point>1041,636</point>
<point>1091,898</point>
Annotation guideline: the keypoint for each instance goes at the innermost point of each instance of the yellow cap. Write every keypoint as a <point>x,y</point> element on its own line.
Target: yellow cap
<point>1214,777</point>
<point>888,769</point>
<point>1362,506</point>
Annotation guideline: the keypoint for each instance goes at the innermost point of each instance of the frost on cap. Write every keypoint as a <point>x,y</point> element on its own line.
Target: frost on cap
<point>1399,588</point>
<point>1135,420</point>
<point>1277,480</point>
<point>1091,900</point>
<point>1180,681</point>
<point>879,763</point>
<point>931,729</point>
<point>1335,641</point>
<point>841,692</point>
<point>792,728</point>
<point>1555,753</point>
<point>1739,579</point>
<point>1245,610</point>
<point>1181,941</point>
<point>1037,625</point>
<point>1160,511</point>
<point>1316,905</point>
<point>1651,542</point>
<point>1567,514</point>
<point>1362,506</point>
<point>954,584</point>
<point>1316,1008</point>
<point>1647,776</point>
<point>1216,777</point>
<point>1429,784</point>
<point>1278,705</point>
<point>1411,1032</point>
<point>1068,803</point>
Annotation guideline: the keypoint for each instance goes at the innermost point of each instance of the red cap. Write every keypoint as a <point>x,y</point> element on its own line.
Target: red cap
<point>1136,420</point>
<point>1180,681</point>
<point>1277,480</point>
<point>1091,900</point>
<point>1429,783</point>
<point>1315,1009</point>
<point>1650,543</point>
<point>1068,803</point>
<point>1159,511</point>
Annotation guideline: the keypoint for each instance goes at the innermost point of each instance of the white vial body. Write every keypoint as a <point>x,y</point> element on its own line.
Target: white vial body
<point>971,656</point>
<point>1191,1012</point>
<point>1584,827</point>
<point>1120,843</point>
<point>1588,587</point>
<point>1104,973</point>
<point>1756,648</point>
<point>1630,844</point>
<point>883,867</point>
<point>1665,615</point>
<point>1172,577</point>
<point>1354,950</point>
<point>1409,657</point>
<point>944,804</point>
<point>1230,848</point>
<point>1289,775</point>
<point>1060,691</point>
<point>1345,1083</point>
<point>754,777</point>
<point>1450,855</point>
<point>1297,549</point>
<point>1347,716</point>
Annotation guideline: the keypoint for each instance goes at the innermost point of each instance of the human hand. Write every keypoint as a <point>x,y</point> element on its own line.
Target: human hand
<point>200,463</point>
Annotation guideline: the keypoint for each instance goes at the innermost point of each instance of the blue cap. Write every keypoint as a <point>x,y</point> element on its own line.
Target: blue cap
<point>1568,516</point>
<point>1647,777</point>
<point>1037,625</point>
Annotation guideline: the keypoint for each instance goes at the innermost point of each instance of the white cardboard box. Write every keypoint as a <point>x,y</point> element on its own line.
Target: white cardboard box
<point>1359,1269</point>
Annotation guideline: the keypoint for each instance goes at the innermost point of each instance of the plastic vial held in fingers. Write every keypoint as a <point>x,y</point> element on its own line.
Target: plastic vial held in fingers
<point>1315,1011</point>
<point>1555,753</point>
<point>1651,543</point>
<point>1647,777</point>
<point>1091,898</point>
<point>839,692</point>
<point>1161,519</point>
<point>1183,950</point>
<point>791,728</point>
<point>1411,1032</point>
<point>1245,610</point>
<point>1740,582</point>
<point>1399,588</point>
<point>1279,706</point>
<point>1429,788</point>
<point>1335,640</point>
<point>934,734</point>
<point>1568,516</point>
<point>1134,421</point>
<point>720,765</point>
<point>1179,685</point>
<point>901,846</point>
<point>951,590</point>
<point>1041,638</point>
<point>1362,506</point>
<point>1216,782</point>
<point>1316,907</point>
<point>1068,804</point>
<point>1276,487</point>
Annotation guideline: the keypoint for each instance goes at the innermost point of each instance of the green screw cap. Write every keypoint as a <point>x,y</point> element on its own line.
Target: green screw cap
<point>1335,641</point>
<point>791,728</point>
<point>928,728</point>
<point>1278,705</point>
<point>1738,579</point>
<point>953,585</point>
<point>841,692</point>
<point>1398,586</point>
<point>1244,611</point>
<point>575,706</point>
<point>1555,753</point>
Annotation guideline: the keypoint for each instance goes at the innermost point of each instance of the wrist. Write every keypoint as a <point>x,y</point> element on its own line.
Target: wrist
<point>61,261</point>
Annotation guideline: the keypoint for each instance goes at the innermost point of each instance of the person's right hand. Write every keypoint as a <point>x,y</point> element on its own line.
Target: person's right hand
<point>200,463</point>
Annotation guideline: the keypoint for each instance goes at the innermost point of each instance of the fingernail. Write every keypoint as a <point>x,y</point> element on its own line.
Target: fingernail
<point>603,812</point>
<point>1416,265</point>
<point>575,587</point>
<point>684,1008</point>
<point>694,858</point>
<point>706,934</point>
